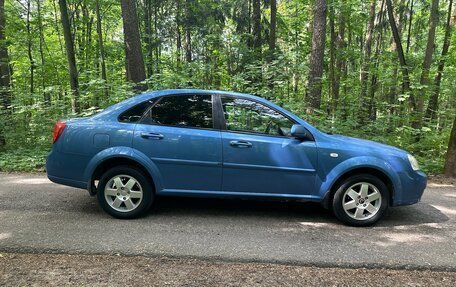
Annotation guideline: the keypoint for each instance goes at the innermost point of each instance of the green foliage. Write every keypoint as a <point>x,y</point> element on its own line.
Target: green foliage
<point>222,58</point>
<point>23,159</point>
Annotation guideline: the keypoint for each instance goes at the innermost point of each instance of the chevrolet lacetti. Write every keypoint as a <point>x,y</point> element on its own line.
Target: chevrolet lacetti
<point>229,145</point>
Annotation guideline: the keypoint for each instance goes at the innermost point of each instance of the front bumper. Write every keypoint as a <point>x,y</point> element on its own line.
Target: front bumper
<point>413,185</point>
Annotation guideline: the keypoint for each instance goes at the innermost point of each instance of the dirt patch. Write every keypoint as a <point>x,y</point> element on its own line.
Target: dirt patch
<point>439,180</point>
<point>104,270</point>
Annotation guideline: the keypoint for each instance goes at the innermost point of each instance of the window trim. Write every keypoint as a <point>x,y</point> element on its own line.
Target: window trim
<point>159,99</point>
<point>223,120</point>
<point>218,117</point>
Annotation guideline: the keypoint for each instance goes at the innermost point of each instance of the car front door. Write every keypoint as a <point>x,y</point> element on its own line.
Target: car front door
<point>178,135</point>
<point>259,154</point>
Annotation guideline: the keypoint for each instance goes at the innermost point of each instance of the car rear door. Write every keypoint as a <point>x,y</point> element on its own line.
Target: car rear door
<point>178,135</point>
<point>259,154</point>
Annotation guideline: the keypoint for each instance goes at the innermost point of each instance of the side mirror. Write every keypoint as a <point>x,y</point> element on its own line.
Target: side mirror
<point>299,132</point>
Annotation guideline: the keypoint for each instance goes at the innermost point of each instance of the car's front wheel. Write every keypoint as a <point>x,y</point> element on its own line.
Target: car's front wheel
<point>125,192</point>
<point>361,200</point>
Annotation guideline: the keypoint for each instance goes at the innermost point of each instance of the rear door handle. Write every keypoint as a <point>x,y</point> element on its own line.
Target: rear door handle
<point>240,144</point>
<point>152,136</point>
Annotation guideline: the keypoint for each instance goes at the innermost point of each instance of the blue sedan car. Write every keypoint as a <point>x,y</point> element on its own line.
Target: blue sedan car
<point>221,144</point>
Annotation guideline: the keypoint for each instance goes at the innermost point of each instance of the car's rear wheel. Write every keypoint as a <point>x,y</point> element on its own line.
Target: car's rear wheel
<point>361,200</point>
<point>125,192</point>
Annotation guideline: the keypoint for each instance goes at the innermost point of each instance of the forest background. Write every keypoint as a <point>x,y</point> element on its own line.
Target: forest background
<point>381,69</point>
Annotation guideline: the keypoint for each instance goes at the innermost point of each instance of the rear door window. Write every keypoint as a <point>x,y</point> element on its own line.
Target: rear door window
<point>182,111</point>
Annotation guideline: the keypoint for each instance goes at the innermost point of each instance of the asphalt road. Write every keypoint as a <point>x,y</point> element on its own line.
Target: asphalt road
<point>39,216</point>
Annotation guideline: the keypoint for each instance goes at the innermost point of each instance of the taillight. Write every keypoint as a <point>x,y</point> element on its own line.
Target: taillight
<point>58,130</point>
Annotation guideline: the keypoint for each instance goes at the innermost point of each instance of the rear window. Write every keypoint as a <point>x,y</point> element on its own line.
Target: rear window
<point>135,113</point>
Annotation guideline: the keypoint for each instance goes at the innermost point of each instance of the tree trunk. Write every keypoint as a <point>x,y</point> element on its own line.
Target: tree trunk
<point>56,20</point>
<point>340,61</point>
<point>400,51</point>
<point>136,72</point>
<point>188,45</point>
<point>363,102</point>
<point>332,56</point>
<point>148,36</point>
<point>272,28</point>
<point>188,35</point>
<point>46,97</point>
<point>409,33</point>
<point>450,159</point>
<point>157,46</point>
<point>316,57</point>
<point>372,110</point>
<point>70,55</point>
<point>393,89</point>
<point>432,107</point>
<point>29,52</point>
<point>272,43</point>
<point>256,18</point>
<point>424,80</point>
<point>5,76</point>
<point>101,52</point>
<point>179,36</point>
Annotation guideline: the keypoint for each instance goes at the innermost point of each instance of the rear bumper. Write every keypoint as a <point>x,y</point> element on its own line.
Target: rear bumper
<point>64,169</point>
<point>68,182</point>
<point>413,186</point>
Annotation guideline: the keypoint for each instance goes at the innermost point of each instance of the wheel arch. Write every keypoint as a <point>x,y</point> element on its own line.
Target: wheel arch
<point>361,170</point>
<point>111,158</point>
<point>368,165</point>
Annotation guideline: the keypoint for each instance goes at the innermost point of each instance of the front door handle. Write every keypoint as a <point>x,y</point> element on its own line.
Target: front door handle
<point>240,144</point>
<point>152,136</point>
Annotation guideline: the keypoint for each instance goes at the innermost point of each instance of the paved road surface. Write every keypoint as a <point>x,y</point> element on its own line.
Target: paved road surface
<point>39,216</point>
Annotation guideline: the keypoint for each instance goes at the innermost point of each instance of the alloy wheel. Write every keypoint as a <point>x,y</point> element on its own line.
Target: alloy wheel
<point>362,201</point>
<point>123,193</point>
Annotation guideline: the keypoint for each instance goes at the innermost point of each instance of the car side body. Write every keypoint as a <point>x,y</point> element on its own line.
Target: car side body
<point>213,161</point>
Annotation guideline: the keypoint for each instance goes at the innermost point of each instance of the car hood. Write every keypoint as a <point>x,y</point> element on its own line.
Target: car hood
<point>361,144</point>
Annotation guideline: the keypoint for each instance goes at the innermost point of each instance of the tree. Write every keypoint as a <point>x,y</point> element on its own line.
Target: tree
<point>450,159</point>
<point>409,33</point>
<point>29,50</point>
<point>272,28</point>
<point>101,50</point>
<point>148,36</point>
<point>179,34</point>
<point>432,107</point>
<point>424,80</point>
<point>256,18</point>
<point>47,99</point>
<point>4,72</point>
<point>340,67</point>
<point>272,41</point>
<point>366,62</point>
<point>188,35</point>
<point>399,49</point>
<point>316,56</point>
<point>69,47</point>
<point>134,59</point>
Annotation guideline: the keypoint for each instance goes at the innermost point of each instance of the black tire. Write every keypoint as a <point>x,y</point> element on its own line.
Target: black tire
<point>359,215</point>
<point>142,205</point>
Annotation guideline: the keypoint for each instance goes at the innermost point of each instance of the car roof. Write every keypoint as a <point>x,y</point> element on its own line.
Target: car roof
<point>127,103</point>
<point>177,92</point>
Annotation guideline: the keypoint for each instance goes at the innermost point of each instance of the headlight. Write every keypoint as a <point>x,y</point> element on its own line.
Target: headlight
<point>413,162</point>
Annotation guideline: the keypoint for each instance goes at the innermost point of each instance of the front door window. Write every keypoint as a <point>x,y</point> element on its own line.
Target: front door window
<point>244,115</point>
